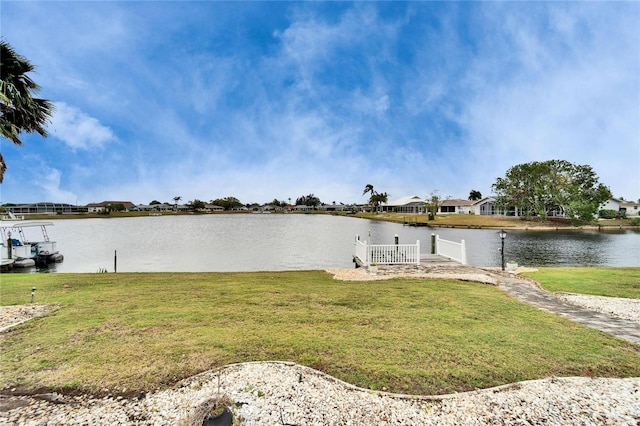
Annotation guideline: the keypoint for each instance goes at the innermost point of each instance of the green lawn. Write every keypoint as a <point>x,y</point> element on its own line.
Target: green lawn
<point>482,221</point>
<point>611,282</point>
<point>146,331</point>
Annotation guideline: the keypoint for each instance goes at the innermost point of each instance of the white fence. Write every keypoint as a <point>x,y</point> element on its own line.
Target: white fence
<point>398,254</point>
<point>452,250</point>
<point>387,254</point>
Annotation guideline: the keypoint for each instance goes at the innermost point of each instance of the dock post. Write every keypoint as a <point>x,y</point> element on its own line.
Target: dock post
<point>397,254</point>
<point>433,243</point>
<point>115,261</point>
<point>9,245</point>
<point>463,247</point>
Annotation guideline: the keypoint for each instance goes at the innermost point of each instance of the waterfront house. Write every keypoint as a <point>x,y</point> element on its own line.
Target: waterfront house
<point>210,208</point>
<point>332,207</point>
<point>44,208</point>
<point>486,207</point>
<point>456,206</point>
<point>622,207</point>
<point>303,208</point>
<point>630,208</point>
<point>105,205</point>
<point>164,207</point>
<point>409,204</point>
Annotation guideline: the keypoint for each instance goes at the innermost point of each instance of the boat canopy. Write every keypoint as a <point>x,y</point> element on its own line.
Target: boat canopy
<point>8,226</point>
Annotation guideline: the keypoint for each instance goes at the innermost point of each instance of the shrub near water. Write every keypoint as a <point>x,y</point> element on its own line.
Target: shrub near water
<point>144,331</point>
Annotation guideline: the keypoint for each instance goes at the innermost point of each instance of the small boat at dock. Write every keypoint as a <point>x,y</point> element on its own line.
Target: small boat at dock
<point>18,248</point>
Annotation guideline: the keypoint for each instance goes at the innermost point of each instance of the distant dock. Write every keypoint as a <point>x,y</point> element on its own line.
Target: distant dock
<point>425,224</point>
<point>441,225</point>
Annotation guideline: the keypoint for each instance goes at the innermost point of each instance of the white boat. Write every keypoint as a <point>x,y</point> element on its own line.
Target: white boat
<point>22,250</point>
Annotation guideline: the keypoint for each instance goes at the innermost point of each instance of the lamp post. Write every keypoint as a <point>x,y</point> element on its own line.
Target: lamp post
<point>502,235</point>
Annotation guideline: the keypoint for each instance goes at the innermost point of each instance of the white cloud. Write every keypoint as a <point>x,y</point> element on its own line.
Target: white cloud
<point>49,181</point>
<point>312,46</point>
<point>77,129</point>
<point>576,101</point>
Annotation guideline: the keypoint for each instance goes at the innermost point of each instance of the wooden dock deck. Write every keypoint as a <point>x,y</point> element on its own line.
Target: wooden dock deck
<point>437,260</point>
<point>425,260</point>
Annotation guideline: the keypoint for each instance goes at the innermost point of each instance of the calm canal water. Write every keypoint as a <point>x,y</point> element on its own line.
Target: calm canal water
<point>257,242</point>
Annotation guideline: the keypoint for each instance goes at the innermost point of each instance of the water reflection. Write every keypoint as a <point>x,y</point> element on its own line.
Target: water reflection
<point>539,248</point>
<point>245,242</point>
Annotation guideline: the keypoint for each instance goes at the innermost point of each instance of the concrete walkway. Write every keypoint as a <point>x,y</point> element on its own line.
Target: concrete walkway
<point>529,292</point>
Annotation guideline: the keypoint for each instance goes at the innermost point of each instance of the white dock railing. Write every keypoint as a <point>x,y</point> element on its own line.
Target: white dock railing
<point>387,254</point>
<point>452,250</point>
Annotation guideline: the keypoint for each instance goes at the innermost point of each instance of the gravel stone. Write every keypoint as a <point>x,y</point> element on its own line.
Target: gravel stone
<point>10,316</point>
<point>277,393</point>
<point>628,309</point>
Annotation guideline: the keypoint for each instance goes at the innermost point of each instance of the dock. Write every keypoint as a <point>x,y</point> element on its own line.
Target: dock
<point>415,224</point>
<point>425,260</point>
<point>443,253</point>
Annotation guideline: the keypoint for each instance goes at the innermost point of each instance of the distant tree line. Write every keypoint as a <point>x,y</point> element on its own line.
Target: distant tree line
<point>534,189</point>
<point>308,200</point>
<point>231,203</point>
<point>228,203</point>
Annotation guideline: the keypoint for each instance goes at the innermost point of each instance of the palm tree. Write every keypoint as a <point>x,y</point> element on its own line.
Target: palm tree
<point>19,110</point>
<point>375,198</point>
<point>368,189</point>
<point>175,201</point>
<point>475,195</point>
<point>379,198</point>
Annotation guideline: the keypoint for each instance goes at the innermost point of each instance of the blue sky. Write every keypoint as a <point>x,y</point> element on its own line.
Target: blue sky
<point>264,100</point>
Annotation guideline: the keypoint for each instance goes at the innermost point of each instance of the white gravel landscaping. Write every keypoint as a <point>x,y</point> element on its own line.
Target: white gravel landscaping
<point>628,309</point>
<point>275,393</point>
